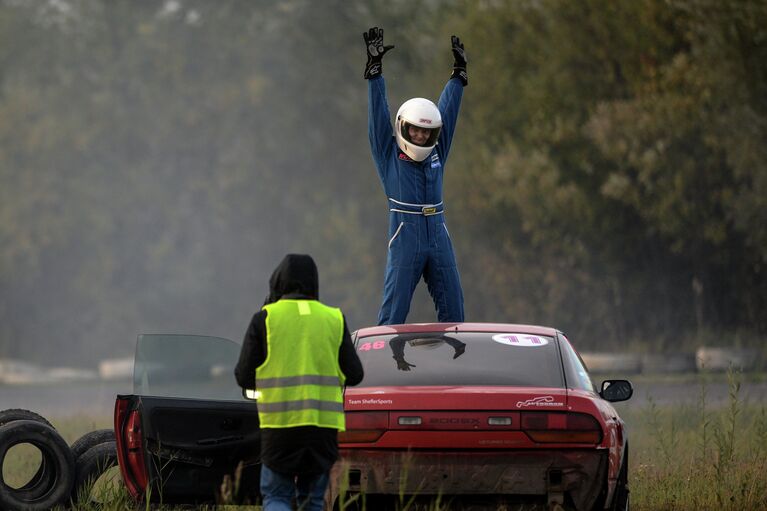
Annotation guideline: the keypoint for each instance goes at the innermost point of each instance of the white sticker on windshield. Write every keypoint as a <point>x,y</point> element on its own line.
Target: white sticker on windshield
<point>520,340</point>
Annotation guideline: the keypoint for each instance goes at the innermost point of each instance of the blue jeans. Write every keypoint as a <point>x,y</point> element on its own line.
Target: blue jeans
<point>279,490</point>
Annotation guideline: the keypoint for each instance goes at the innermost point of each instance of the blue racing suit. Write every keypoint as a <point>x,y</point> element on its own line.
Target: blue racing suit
<point>419,242</point>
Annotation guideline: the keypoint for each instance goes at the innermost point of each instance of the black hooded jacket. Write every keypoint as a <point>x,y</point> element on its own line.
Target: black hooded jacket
<point>303,449</point>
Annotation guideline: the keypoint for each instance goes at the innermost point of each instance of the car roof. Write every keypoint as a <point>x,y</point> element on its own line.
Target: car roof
<point>413,328</point>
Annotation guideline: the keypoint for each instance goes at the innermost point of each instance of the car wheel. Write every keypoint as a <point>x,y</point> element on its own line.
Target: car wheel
<point>55,486</point>
<point>621,497</point>
<point>347,506</point>
<point>18,414</point>
<point>92,439</point>
<point>378,503</point>
<point>364,503</point>
<point>89,467</point>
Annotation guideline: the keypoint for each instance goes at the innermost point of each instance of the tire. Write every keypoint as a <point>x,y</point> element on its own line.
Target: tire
<point>89,440</point>
<point>368,503</point>
<point>18,414</point>
<point>353,506</point>
<point>89,466</point>
<point>59,466</point>
<point>378,503</point>
<point>621,497</point>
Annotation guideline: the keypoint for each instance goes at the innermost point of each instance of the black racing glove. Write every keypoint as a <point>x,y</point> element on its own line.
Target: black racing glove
<point>459,66</point>
<point>376,50</point>
<point>402,364</point>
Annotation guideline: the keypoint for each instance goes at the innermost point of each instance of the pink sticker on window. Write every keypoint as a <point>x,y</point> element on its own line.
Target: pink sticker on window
<point>520,340</point>
<point>376,345</point>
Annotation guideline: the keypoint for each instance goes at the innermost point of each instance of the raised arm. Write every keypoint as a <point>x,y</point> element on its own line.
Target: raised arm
<point>450,99</point>
<point>379,120</point>
<point>379,117</point>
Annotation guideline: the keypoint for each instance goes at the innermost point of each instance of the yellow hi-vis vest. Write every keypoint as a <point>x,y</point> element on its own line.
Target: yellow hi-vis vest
<point>300,382</point>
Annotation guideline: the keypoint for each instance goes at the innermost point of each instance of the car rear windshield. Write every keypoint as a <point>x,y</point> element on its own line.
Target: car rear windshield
<point>465,358</point>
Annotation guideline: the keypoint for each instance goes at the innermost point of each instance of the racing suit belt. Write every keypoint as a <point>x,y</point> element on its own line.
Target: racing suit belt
<point>416,209</point>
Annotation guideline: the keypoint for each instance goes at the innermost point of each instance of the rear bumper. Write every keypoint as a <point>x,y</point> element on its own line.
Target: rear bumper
<point>553,475</point>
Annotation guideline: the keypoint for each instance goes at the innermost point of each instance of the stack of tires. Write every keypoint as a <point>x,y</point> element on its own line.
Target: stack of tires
<point>65,471</point>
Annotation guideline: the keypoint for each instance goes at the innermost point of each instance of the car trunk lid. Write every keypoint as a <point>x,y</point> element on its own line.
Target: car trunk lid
<point>465,417</point>
<point>441,399</point>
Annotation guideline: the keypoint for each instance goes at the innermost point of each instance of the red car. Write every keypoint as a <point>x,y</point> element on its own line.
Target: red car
<point>476,413</point>
<point>467,413</point>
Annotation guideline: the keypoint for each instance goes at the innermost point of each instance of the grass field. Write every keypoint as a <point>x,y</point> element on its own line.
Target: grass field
<point>689,456</point>
<point>692,457</point>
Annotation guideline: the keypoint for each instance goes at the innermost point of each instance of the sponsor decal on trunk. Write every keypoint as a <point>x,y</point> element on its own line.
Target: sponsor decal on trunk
<point>377,401</point>
<point>545,401</point>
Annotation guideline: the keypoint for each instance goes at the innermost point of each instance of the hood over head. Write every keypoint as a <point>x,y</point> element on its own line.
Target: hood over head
<point>295,275</point>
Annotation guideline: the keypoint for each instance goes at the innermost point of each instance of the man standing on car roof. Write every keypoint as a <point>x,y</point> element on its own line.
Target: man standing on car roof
<point>301,354</point>
<point>411,165</point>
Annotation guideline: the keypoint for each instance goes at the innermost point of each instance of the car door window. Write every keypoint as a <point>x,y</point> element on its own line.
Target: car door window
<point>186,366</point>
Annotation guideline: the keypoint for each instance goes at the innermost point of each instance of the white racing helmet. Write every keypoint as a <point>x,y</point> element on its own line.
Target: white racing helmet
<point>424,114</point>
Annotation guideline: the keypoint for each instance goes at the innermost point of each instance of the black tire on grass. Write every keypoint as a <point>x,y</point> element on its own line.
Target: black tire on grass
<point>622,495</point>
<point>19,414</point>
<point>89,466</point>
<point>92,439</point>
<point>59,465</point>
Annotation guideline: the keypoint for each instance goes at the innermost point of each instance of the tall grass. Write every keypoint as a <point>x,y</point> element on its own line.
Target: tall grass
<point>692,457</point>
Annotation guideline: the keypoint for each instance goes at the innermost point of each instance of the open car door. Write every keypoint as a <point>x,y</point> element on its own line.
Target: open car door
<point>186,425</point>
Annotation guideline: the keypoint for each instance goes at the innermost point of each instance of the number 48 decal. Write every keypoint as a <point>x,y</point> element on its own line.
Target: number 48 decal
<point>377,345</point>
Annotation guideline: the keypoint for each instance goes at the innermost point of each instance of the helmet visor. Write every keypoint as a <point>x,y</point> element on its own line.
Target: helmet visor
<point>420,136</point>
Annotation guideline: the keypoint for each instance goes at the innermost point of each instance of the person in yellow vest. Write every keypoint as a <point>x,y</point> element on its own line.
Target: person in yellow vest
<point>298,354</point>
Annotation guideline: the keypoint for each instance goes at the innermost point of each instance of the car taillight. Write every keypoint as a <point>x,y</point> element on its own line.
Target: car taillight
<point>364,427</point>
<point>570,428</point>
<point>130,448</point>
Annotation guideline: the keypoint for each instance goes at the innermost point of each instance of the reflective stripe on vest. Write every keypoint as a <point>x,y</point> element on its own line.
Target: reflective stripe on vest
<point>300,381</point>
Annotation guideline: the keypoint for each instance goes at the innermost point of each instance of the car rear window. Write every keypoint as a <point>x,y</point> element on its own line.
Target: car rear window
<point>465,358</point>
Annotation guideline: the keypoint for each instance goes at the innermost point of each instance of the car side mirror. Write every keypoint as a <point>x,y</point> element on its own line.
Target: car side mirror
<point>616,390</point>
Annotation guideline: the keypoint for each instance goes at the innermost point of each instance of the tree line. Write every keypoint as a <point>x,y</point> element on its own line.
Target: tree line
<point>608,174</point>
